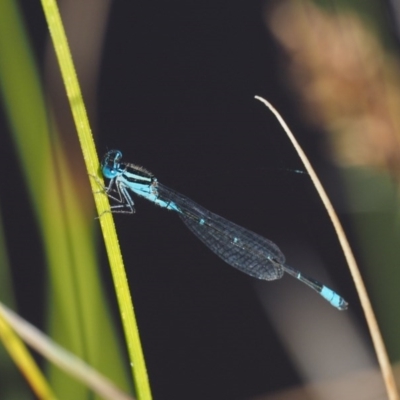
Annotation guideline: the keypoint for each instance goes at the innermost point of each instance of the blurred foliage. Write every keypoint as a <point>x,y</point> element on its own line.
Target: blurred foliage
<point>77,308</point>
<point>8,370</point>
<point>349,87</point>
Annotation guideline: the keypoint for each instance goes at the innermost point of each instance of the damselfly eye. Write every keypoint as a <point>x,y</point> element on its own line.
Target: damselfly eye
<point>114,156</point>
<point>109,173</point>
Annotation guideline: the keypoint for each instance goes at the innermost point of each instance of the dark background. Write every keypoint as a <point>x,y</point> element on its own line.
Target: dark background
<point>176,95</point>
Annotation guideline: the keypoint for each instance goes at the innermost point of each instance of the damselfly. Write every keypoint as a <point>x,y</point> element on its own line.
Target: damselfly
<point>237,246</point>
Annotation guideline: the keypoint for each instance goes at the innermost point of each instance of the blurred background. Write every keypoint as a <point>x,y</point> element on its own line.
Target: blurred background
<point>172,85</point>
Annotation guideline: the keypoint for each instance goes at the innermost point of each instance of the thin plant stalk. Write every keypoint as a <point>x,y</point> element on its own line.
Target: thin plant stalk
<point>377,340</point>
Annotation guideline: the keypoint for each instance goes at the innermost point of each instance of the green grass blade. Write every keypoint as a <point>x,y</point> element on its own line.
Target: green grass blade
<point>24,360</point>
<point>92,164</point>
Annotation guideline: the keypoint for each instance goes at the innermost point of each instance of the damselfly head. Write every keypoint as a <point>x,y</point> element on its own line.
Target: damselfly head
<point>110,166</point>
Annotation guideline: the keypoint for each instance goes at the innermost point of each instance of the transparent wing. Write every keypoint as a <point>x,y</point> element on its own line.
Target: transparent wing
<point>237,246</point>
